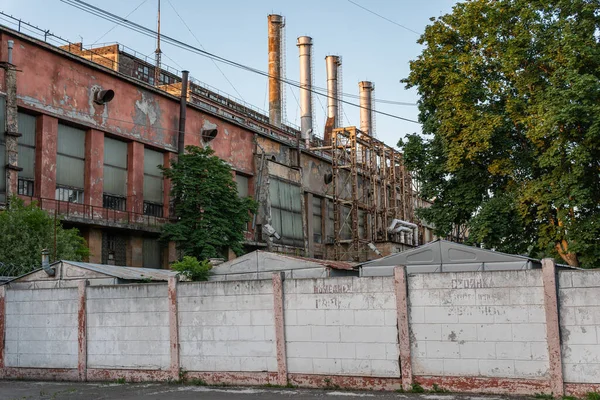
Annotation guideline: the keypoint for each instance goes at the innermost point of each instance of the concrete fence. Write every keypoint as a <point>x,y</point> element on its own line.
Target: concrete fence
<point>519,332</point>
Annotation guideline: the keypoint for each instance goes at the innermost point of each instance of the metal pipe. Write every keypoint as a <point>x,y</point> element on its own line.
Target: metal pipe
<point>366,110</point>
<point>392,228</point>
<point>11,45</point>
<point>332,63</point>
<point>305,46</point>
<point>276,23</point>
<point>182,111</point>
<point>46,263</point>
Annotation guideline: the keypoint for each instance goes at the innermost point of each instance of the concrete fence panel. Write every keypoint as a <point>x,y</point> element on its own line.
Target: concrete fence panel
<point>342,326</point>
<point>41,328</point>
<point>128,327</point>
<point>579,294</point>
<point>475,324</point>
<point>227,326</point>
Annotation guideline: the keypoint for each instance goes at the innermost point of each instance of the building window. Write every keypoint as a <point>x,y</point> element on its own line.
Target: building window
<point>145,74</point>
<point>153,209</point>
<point>25,187</point>
<point>118,203</point>
<point>153,183</point>
<point>26,153</point>
<point>317,219</point>
<point>2,151</point>
<point>286,212</point>
<point>70,164</point>
<point>242,183</point>
<point>330,226</point>
<point>115,175</point>
<point>71,195</point>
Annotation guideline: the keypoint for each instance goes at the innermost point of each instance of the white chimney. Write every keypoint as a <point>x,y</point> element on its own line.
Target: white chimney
<point>306,124</point>
<point>333,97</point>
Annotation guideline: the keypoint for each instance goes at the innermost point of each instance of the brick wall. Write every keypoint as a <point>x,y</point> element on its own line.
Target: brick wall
<point>478,324</point>
<point>41,328</point>
<point>579,294</point>
<point>227,326</point>
<point>128,327</point>
<point>341,326</point>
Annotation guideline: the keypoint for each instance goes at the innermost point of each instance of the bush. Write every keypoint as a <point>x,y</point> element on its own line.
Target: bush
<point>192,269</point>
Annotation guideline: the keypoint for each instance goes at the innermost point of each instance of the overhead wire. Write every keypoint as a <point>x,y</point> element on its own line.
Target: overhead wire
<point>383,17</point>
<point>90,9</point>
<point>115,25</point>
<point>202,47</point>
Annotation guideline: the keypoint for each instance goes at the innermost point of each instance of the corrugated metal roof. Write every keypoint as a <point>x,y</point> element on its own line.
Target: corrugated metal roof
<point>326,263</point>
<point>127,273</point>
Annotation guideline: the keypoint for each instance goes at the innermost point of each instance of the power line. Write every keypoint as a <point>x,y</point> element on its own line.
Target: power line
<point>115,25</point>
<point>90,9</point>
<point>202,47</point>
<point>385,18</point>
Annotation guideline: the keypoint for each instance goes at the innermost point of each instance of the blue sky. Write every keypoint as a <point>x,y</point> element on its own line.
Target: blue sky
<point>371,47</point>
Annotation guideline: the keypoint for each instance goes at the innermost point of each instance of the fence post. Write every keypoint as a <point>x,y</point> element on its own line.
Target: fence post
<point>401,288</point>
<point>282,374</point>
<point>552,327</point>
<point>82,331</point>
<point>174,327</point>
<point>2,329</point>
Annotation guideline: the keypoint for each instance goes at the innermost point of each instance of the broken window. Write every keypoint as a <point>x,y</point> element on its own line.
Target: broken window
<point>70,164</point>
<point>286,212</point>
<point>115,174</point>
<point>153,183</point>
<point>26,153</point>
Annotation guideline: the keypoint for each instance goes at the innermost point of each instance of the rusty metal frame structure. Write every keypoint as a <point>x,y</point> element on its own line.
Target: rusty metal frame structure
<point>370,188</point>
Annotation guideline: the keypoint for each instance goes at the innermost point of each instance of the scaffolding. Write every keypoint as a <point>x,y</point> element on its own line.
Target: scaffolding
<point>370,188</point>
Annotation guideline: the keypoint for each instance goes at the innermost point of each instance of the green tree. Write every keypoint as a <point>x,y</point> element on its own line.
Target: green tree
<point>510,106</point>
<point>26,229</point>
<point>192,269</point>
<point>211,217</point>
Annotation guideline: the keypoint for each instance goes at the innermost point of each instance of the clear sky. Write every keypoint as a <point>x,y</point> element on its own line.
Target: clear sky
<point>371,47</point>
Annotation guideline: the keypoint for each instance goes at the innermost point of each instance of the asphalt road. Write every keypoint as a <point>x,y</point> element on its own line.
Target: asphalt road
<point>23,390</point>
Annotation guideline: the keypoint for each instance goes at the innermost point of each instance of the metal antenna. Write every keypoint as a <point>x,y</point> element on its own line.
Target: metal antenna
<point>157,52</point>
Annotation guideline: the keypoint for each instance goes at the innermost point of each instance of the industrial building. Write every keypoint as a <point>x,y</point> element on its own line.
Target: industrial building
<point>87,127</point>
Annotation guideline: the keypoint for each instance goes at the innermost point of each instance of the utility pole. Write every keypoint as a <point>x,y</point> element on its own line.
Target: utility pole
<point>157,52</point>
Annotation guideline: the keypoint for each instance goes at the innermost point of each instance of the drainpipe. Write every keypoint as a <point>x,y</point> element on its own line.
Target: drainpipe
<point>182,110</point>
<point>46,263</point>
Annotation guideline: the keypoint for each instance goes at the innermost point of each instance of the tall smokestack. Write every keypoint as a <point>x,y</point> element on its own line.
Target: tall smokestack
<point>305,46</point>
<point>333,63</point>
<point>366,106</point>
<point>276,24</point>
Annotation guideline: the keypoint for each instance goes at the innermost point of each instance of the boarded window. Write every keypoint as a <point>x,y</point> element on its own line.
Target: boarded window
<point>26,153</point>
<point>362,233</point>
<point>242,185</point>
<point>153,179</point>
<point>115,167</point>
<point>152,253</point>
<point>286,212</point>
<point>317,219</point>
<point>70,164</point>
<point>2,150</point>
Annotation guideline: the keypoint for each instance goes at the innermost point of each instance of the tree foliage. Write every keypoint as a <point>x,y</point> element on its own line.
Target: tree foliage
<point>211,217</point>
<point>192,269</point>
<point>26,229</point>
<point>510,106</point>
